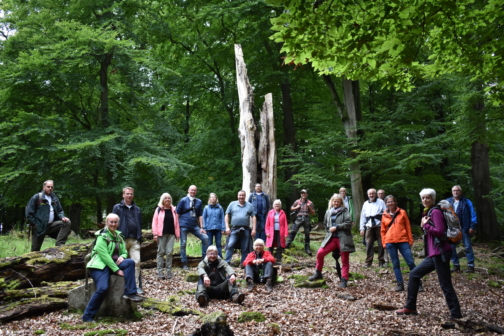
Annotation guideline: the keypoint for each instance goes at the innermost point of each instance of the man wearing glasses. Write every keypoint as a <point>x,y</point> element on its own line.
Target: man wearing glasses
<point>467,216</point>
<point>46,216</point>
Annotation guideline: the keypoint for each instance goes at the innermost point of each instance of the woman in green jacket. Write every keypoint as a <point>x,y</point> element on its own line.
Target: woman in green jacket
<point>109,257</point>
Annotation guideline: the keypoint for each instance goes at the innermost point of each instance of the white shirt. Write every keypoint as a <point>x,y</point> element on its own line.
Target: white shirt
<point>51,212</point>
<point>371,209</point>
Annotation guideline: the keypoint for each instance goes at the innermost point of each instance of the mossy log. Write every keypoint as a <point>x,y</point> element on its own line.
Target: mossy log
<point>30,307</point>
<point>172,307</point>
<point>63,263</point>
<point>55,290</point>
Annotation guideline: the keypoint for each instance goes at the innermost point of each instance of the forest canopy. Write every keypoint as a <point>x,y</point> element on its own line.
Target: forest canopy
<point>97,95</point>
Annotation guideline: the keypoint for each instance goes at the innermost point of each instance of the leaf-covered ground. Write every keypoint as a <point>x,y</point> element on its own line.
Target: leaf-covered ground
<point>301,311</point>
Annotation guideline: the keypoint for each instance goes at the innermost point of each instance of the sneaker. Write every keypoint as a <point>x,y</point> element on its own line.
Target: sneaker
<point>202,300</point>
<point>169,275</point>
<point>185,267</point>
<point>140,291</point>
<point>238,298</point>
<point>455,268</point>
<point>250,284</point>
<point>406,311</point>
<point>160,275</point>
<point>133,297</point>
<point>470,269</point>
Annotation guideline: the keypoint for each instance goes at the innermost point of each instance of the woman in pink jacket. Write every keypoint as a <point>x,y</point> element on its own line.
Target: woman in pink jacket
<point>277,230</point>
<point>165,229</point>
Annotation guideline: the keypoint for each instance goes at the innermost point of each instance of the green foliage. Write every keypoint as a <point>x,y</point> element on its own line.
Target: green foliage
<point>251,316</point>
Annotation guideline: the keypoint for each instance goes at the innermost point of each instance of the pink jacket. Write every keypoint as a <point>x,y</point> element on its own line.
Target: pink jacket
<point>158,222</point>
<point>270,228</point>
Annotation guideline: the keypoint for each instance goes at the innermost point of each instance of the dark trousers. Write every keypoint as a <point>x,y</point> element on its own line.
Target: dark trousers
<point>276,243</point>
<point>260,223</point>
<point>62,228</point>
<point>224,290</point>
<point>373,234</point>
<point>444,276</point>
<point>252,271</point>
<point>303,221</point>
<point>101,280</point>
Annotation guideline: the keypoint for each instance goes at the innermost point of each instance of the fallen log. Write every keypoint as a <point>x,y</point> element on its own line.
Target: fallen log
<point>63,263</point>
<point>30,307</point>
<point>55,290</point>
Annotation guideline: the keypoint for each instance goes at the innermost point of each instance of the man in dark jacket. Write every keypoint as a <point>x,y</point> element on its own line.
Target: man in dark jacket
<point>46,216</point>
<point>130,225</point>
<point>467,216</point>
<point>261,204</point>
<point>217,280</point>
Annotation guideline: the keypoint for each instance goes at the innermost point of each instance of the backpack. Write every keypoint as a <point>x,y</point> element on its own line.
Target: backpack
<point>453,230</point>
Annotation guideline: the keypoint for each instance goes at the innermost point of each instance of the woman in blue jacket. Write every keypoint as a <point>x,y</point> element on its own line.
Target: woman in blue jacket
<point>213,222</point>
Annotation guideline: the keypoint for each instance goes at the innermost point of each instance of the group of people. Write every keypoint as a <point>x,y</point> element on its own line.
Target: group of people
<point>381,220</point>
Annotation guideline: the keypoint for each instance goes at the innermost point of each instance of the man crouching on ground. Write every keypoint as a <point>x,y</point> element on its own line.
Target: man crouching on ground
<point>217,279</point>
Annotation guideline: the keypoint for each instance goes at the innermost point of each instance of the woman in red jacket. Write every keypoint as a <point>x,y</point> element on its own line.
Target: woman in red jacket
<point>165,229</point>
<point>276,229</point>
<point>397,237</point>
<point>258,260</point>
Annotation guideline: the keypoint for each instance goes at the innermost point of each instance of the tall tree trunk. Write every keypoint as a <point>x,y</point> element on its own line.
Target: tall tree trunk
<point>350,113</point>
<point>267,148</point>
<point>487,220</point>
<point>74,213</point>
<point>247,127</point>
<point>105,62</point>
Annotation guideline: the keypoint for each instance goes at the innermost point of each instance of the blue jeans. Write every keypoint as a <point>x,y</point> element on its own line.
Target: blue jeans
<point>260,223</point>
<point>101,280</point>
<point>217,234</point>
<point>466,240</point>
<point>183,241</point>
<point>238,235</point>
<point>405,250</point>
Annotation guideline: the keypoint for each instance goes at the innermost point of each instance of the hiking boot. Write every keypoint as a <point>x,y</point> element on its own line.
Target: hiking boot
<point>399,287</point>
<point>238,298</point>
<point>250,284</point>
<point>455,268</point>
<point>160,275</point>
<point>470,269</point>
<point>202,300</point>
<point>269,286</point>
<point>406,311</point>
<point>185,267</point>
<point>317,275</point>
<point>343,283</point>
<point>308,251</point>
<point>133,297</point>
<point>420,288</point>
<point>169,274</point>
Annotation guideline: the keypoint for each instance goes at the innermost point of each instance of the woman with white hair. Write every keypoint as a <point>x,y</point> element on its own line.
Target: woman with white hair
<point>339,237</point>
<point>277,230</point>
<point>258,260</point>
<point>109,256</point>
<point>166,230</point>
<point>438,253</point>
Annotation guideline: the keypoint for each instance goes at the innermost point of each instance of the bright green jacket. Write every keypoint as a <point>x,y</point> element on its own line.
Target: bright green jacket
<point>101,256</point>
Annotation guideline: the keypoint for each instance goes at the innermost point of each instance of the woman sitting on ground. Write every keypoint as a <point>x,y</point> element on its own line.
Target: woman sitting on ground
<point>339,237</point>
<point>438,252</point>
<point>166,230</point>
<point>109,257</point>
<point>396,236</point>
<point>257,260</point>
<point>277,230</point>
